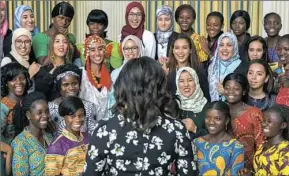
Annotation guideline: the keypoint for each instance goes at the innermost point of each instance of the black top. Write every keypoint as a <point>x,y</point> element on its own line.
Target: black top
<point>7,42</point>
<point>263,104</point>
<point>171,38</point>
<point>242,48</point>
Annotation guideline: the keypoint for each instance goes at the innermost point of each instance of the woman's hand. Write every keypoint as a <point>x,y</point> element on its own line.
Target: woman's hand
<point>6,149</point>
<point>33,69</point>
<point>190,125</point>
<point>164,61</point>
<point>220,88</point>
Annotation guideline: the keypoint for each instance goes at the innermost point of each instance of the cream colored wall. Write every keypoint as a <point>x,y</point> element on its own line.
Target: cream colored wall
<point>115,11</point>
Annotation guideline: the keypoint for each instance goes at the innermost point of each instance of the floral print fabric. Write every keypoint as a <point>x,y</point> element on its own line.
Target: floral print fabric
<point>117,148</point>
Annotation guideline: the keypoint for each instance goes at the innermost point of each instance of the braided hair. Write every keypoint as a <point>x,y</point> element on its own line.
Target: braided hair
<point>20,120</point>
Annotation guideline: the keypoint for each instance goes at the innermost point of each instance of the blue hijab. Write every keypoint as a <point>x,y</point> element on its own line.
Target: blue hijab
<point>17,17</point>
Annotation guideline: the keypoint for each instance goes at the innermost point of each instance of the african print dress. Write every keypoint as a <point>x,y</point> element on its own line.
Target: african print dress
<point>66,154</point>
<point>225,158</point>
<point>273,161</point>
<point>29,154</point>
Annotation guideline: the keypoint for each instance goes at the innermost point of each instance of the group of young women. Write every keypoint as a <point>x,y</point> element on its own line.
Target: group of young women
<point>148,104</point>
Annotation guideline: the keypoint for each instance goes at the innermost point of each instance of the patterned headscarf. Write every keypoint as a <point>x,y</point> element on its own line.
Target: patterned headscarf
<point>17,17</point>
<point>4,26</point>
<point>163,37</point>
<point>23,60</point>
<point>219,69</point>
<point>137,42</point>
<point>196,101</point>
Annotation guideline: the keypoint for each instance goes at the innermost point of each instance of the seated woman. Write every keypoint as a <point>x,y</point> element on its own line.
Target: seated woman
<point>15,83</point>
<point>97,22</point>
<point>140,137</point>
<point>96,81</point>
<point>59,54</point>
<point>31,116</point>
<point>62,14</point>
<point>261,82</point>
<point>66,154</point>
<point>5,32</point>
<point>165,33</point>
<point>135,19</point>
<point>20,51</point>
<point>218,153</point>
<point>192,102</point>
<point>67,80</point>
<point>225,61</point>
<point>272,158</point>
<point>246,120</point>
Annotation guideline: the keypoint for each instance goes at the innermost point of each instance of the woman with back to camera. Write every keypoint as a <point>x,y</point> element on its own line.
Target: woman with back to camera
<point>139,137</point>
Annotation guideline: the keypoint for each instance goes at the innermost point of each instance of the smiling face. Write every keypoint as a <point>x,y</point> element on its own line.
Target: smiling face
<point>272,124</point>
<point>283,51</point>
<point>75,121</point>
<point>226,49</point>
<point>272,25</point>
<point>23,45</point>
<point>181,51</point>
<point>186,19</point>
<point>69,86</point>
<point>17,85</point>
<point>134,17</point>
<point>96,53</point>
<point>131,50</point>
<point>96,28</point>
<point>233,92</point>
<point>38,114</point>
<point>186,84</point>
<point>239,26</point>
<point>257,76</point>
<point>60,46</point>
<point>255,50</point>
<point>213,26</point>
<point>215,121</point>
<point>164,22</point>
<point>27,20</point>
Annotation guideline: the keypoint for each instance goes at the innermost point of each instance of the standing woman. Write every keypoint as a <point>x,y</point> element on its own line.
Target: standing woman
<point>246,120</point>
<point>96,81</point>
<point>135,19</point>
<point>66,154</point>
<point>192,102</point>
<point>256,48</point>
<point>214,26</point>
<point>240,22</point>
<point>218,153</point>
<point>272,158</point>
<point>261,82</point>
<point>165,33</point>
<point>5,32</point>
<point>283,53</point>
<point>31,116</point>
<point>225,61</point>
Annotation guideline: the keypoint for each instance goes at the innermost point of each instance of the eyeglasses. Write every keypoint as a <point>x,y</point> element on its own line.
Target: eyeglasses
<point>132,49</point>
<point>20,42</point>
<point>137,15</point>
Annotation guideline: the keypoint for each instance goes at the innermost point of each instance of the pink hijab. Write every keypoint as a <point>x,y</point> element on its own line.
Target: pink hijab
<point>4,25</point>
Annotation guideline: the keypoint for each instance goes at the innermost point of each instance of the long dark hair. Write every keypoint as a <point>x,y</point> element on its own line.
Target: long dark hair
<point>265,55</point>
<point>140,92</point>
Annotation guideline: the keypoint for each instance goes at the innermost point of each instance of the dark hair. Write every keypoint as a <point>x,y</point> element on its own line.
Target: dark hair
<point>28,102</point>
<point>98,16</point>
<point>140,92</point>
<point>63,8</point>
<point>241,13</point>
<point>284,37</point>
<point>268,86</point>
<point>62,69</point>
<point>282,112</point>
<point>9,72</point>
<point>239,78</point>
<point>224,108</point>
<point>70,105</point>
<point>265,56</point>
<point>193,58</point>
<point>216,14</point>
<point>272,14</point>
<point>182,7</point>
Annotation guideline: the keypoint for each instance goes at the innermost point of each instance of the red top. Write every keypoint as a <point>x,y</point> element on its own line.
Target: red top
<point>283,96</point>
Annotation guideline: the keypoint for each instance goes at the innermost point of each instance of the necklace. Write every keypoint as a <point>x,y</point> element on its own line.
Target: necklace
<point>220,139</point>
<point>44,145</point>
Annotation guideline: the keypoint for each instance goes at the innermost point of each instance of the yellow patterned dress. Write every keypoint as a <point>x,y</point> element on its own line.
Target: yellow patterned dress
<point>273,161</point>
<point>66,154</point>
<point>219,159</point>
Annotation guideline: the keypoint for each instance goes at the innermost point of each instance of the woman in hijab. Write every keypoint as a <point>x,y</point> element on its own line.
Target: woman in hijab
<point>165,34</point>
<point>20,50</point>
<point>135,19</point>
<point>226,60</point>
<point>24,17</point>
<point>191,101</point>
<point>5,32</point>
